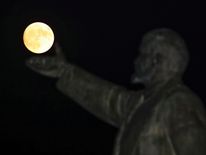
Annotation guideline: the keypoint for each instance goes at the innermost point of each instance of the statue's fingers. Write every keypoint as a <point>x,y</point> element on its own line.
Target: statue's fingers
<point>40,63</point>
<point>35,61</point>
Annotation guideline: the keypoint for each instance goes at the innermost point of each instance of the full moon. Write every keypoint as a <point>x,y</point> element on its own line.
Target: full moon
<point>38,37</point>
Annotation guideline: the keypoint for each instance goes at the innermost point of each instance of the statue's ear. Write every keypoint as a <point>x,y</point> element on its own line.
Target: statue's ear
<point>157,59</point>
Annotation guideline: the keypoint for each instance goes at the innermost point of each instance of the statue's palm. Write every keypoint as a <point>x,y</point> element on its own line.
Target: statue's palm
<point>51,66</point>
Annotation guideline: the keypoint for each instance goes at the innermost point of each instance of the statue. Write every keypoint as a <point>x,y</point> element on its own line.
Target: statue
<point>164,118</point>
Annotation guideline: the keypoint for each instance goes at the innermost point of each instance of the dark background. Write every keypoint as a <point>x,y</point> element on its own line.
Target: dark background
<point>101,37</point>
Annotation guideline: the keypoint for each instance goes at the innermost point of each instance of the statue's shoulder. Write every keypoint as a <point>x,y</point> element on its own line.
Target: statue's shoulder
<point>185,108</point>
<point>186,121</point>
<point>182,95</point>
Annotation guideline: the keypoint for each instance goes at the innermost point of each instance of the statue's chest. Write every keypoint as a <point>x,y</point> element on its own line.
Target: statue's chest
<point>141,131</point>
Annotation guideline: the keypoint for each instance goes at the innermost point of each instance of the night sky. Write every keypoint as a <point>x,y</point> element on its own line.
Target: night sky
<point>101,37</point>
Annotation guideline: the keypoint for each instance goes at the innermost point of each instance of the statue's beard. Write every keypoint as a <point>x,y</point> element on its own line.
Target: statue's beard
<point>139,79</point>
<point>143,77</point>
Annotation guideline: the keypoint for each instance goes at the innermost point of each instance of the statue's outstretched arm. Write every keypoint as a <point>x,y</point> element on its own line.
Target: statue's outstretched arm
<point>106,100</point>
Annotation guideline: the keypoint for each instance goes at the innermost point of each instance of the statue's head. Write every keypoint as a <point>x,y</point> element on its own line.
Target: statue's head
<point>163,56</point>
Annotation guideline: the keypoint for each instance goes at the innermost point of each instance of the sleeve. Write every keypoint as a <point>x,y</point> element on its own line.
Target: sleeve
<point>104,99</point>
<point>188,128</point>
<point>190,140</point>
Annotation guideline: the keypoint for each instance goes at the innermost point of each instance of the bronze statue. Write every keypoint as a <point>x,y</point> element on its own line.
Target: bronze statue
<point>164,118</point>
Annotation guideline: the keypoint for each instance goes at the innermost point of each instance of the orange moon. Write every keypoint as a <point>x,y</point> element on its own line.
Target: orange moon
<point>38,37</point>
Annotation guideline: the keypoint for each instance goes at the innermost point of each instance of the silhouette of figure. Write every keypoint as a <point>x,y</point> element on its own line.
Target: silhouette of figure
<point>164,118</point>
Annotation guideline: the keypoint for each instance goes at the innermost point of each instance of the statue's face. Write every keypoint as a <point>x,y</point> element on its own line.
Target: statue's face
<point>148,65</point>
<point>162,56</point>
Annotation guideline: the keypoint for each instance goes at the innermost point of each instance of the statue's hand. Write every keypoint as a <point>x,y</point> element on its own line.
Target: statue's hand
<point>51,66</point>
